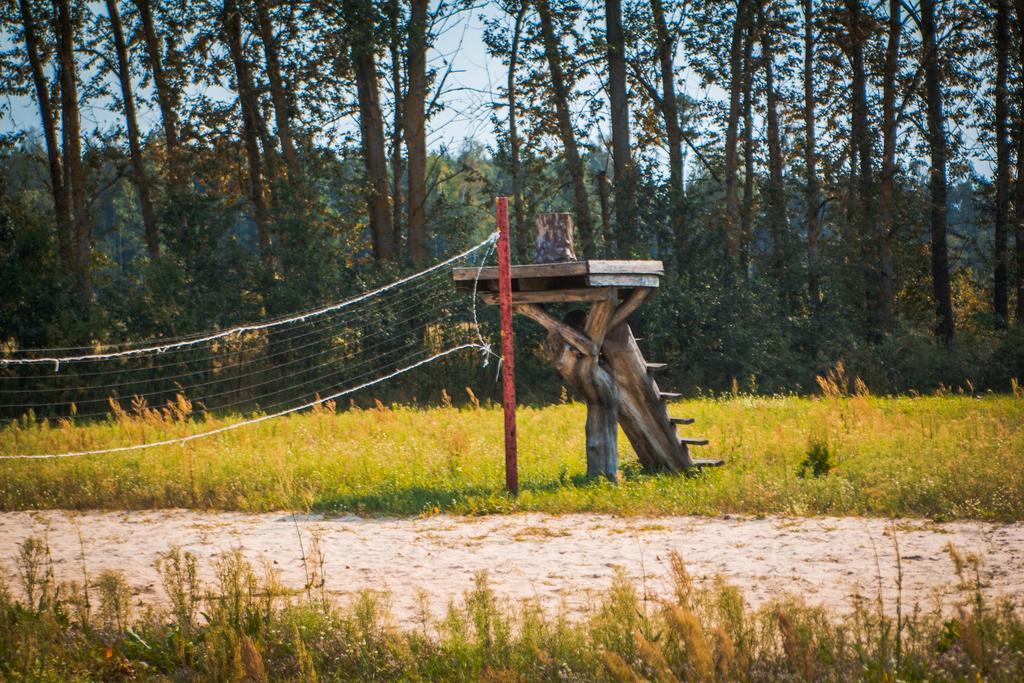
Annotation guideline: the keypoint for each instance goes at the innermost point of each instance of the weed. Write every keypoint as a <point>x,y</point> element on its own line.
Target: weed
<point>818,462</point>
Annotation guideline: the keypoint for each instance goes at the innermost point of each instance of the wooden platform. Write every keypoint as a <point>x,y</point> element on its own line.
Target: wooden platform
<point>598,356</point>
<point>575,278</point>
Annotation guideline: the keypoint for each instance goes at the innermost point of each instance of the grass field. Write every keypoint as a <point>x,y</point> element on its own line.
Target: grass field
<point>944,457</point>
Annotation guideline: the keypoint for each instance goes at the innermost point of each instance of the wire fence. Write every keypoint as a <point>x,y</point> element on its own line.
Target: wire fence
<point>257,370</point>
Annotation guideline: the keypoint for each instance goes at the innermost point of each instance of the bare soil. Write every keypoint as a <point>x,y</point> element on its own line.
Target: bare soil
<point>564,561</point>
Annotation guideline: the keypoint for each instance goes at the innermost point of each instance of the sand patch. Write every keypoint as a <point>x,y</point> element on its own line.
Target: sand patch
<point>560,560</point>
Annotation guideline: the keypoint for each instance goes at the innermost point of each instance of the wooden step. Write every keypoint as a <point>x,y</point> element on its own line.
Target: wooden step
<point>693,442</point>
<point>707,463</point>
<point>655,367</point>
<point>668,394</point>
<point>682,420</point>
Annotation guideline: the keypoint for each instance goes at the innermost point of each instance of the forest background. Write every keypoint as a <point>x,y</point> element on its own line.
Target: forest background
<point>826,182</point>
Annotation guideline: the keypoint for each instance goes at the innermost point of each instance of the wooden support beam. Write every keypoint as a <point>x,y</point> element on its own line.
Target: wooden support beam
<point>553,325</point>
<point>601,316</point>
<point>700,462</point>
<point>693,442</point>
<point>668,395</point>
<point>632,302</point>
<point>656,367</point>
<point>681,420</point>
<point>551,296</point>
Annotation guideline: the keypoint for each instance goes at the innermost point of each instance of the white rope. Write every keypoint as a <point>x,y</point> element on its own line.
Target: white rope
<point>252,327</point>
<point>246,423</point>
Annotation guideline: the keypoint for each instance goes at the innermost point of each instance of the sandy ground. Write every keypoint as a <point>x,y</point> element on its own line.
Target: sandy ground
<point>561,560</point>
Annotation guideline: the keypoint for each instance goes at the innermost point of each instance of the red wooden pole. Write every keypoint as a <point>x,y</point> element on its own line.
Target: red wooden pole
<point>508,360</point>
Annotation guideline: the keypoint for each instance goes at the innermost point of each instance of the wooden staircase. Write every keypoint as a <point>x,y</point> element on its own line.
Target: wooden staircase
<point>643,412</point>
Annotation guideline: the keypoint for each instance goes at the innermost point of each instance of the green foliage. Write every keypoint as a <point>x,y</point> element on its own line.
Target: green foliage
<point>818,462</point>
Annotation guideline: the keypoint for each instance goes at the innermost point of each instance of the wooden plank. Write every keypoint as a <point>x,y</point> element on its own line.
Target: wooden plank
<point>627,267</point>
<point>642,415</point>
<point>552,296</point>
<point>693,442</point>
<point>700,462</point>
<point>651,281</point>
<point>570,269</point>
<point>668,394</point>
<point>552,324</point>
<point>649,269</point>
<point>681,420</point>
<point>656,367</point>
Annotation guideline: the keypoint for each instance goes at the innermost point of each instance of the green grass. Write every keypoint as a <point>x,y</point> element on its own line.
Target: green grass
<point>944,457</point>
<point>246,628</point>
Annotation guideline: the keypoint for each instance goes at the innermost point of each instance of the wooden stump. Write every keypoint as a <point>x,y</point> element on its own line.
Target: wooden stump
<point>554,238</point>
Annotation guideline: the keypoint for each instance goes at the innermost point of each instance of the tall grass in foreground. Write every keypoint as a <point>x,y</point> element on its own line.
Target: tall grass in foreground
<point>944,456</point>
<point>246,627</point>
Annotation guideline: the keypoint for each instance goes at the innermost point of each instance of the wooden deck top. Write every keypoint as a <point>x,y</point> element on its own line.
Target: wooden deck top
<point>570,275</point>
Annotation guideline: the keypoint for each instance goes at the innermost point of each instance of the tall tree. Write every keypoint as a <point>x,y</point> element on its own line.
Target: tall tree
<point>736,75</point>
<point>138,161</point>
<point>522,239</point>
<point>1000,302</point>
<point>231,20</point>
<point>618,96</point>
<point>1019,185</point>
<point>776,192</point>
<point>567,133</point>
<point>746,232</point>
<point>669,108</point>
<point>937,183</point>
<point>48,115</point>
<point>858,31</point>
<point>278,90</point>
<point>416,127</point>
<point>811,190</point>
<point>166,95</point>
<point>397,37</point>
<point>71,133</point>
<point>887,182</point>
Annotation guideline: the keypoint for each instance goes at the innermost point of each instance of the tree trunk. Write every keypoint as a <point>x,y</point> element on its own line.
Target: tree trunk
<point>560,97</point>
<point>416,129</point>
<point>360,17</point>
<point>278,92</point>
<point>938,213</point>
<point>522,239</point>
<point>1000,303</point>
<point>625,186</point>
<point>1019,185</point>
<point>811,161</point>
<point>776,193</point>
<point>139,175</point>
<point>673,130</point>
<point>61,205</point>
<point>604,200</point>
<point>74,174</point>
<point>397,36</point>
<point>747,208</point>
<point>860,139</point>
<point>864,211</point>
<point>1019,220</point>
<point>736,76</point>
<point>886,188</point>
<point>232,22</point>
<point>166,98</point>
